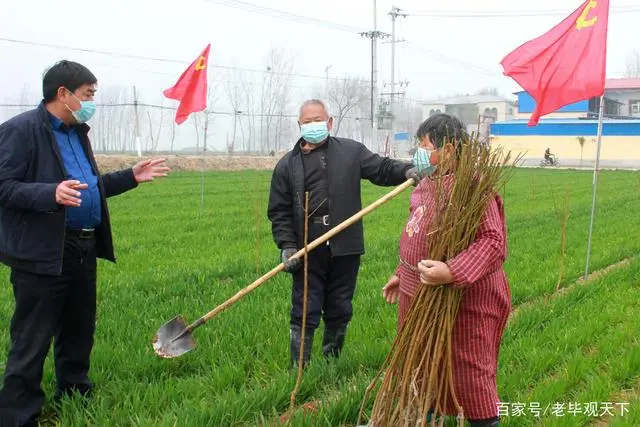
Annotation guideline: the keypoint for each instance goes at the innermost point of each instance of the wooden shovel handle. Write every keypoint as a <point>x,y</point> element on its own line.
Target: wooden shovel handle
<point>320,240</point>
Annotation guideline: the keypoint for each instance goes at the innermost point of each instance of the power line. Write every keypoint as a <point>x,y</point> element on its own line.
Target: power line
<point>173,74</point>
<point>507,14</point>
<point>451,60</point>
<point>442,57</point>
<point>281,14</point>
<point>212,112</point>
<point>167,60</point>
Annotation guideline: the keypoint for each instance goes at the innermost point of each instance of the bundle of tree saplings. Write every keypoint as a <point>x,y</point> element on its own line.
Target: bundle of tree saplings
<point>416,377</point>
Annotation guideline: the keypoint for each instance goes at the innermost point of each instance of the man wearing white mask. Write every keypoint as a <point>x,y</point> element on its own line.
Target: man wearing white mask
<point>330,169</point>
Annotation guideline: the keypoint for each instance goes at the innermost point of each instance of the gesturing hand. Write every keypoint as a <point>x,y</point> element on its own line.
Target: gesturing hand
<point>146,170</point>
<point>67,194</point>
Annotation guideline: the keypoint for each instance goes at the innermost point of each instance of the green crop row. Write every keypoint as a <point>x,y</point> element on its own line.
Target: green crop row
<point>174,258</point>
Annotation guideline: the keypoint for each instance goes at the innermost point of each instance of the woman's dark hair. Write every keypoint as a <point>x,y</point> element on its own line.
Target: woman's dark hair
<point>69,74</point>
<point>443,128</point>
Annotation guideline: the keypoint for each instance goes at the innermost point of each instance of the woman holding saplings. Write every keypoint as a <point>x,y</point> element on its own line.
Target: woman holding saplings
<point>478,269</point>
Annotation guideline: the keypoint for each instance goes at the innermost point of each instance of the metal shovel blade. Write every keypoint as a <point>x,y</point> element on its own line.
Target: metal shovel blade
<point>164,344</point>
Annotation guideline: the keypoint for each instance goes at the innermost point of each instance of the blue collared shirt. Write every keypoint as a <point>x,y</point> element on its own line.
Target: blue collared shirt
<point>77,166</point>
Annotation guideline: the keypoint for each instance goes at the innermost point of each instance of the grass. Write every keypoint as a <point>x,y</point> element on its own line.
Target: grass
<point>580,346</point>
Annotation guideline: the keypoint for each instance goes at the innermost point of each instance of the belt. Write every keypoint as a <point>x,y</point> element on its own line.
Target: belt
<point>409,266</point>
<point>324,220</point>
<point>85,233</point>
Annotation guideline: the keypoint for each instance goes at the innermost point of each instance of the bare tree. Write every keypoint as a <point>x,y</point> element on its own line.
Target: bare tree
<point>581,140</point>
<point>363,124</point>
<point>234,86</point>
<point>27,97</point>
<point>274,97</point>
<point>155,139</point>
<point>252,108</point>
<point>202,121</point>
<point>633,65</point>
<point>114,125</point>
<point>488,91</point>
<point>213,95</point>
<point>344,95</point>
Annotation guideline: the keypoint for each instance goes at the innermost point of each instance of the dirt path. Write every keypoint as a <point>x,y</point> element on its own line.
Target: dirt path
<point>110,163</point>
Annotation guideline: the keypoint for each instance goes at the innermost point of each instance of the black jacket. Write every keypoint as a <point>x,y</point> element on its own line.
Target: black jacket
<point>32,224</point>
<point>348,162</point>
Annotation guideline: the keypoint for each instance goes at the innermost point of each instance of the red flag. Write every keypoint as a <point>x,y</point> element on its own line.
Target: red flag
<point>567,64</point>
<point>191,88</point>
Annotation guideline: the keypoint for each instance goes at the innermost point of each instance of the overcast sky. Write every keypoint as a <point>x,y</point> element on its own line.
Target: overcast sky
<point>441,55</point>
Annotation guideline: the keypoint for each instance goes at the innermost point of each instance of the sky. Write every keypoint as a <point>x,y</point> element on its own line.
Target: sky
<point>438,55</point>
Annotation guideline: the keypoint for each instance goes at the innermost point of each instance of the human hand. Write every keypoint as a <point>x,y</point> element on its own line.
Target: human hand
<point>434,273</point>
<point>147,170</point>
<point>391,291</point>
<point>290,265</point>
<point>414,174</point>
<point>67,194</point>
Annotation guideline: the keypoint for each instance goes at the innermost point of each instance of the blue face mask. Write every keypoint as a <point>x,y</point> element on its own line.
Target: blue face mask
<point>86,111</point>
<point>422,161</point>
<point>314,133</point>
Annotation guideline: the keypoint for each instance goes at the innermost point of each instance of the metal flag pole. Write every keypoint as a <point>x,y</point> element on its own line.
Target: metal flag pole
<point>595,183</point>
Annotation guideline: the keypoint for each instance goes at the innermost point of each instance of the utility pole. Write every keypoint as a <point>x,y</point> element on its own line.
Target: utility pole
<point>390,113</point>
<point>394,13</point>
<point>135,106</point>
<point>262,113</point>
<point>235,123</point>
<point>374,35</point>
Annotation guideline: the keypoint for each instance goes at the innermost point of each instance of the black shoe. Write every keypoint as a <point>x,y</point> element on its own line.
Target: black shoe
<point>333,340</point>
<point>82,391</point>
<point>294,345</point>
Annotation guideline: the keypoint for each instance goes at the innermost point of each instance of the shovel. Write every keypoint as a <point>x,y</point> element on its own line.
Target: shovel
<point>175,338</point>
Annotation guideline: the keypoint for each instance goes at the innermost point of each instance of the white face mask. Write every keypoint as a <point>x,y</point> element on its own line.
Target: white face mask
<point>86,111</point>
<point>422,161</point>
<point>314,133</point>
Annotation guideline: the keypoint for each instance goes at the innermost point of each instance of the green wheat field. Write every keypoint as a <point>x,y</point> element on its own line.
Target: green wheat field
<point>572,353</point>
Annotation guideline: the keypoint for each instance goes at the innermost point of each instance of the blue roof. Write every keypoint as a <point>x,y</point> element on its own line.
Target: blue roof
<point>566,127</point>
<point>569,121</point>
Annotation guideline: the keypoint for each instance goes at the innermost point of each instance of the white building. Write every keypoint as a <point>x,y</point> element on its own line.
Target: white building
<point>476,111</point>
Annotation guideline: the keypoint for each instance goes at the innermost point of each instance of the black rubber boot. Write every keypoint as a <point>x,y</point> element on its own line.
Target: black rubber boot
<point>333,340</point>
<point>295,339</point>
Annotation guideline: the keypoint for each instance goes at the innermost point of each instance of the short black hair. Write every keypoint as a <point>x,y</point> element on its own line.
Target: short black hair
<point>443,128</point>
<point>65,73</point>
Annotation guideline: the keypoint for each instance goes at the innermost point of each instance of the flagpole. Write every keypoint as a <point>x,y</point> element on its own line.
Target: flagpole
<point>595,183</point>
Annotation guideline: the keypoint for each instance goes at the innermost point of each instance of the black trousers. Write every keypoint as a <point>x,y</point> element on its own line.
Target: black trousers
<point>331,286</point>
<point>49,307</point>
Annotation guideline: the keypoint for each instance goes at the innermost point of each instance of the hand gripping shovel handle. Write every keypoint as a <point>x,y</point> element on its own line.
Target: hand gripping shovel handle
<point>320,240</point>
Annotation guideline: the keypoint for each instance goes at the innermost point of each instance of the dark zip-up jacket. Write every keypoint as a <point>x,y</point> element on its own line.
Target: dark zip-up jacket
<point>32,223</point>
<point>348,162</point>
